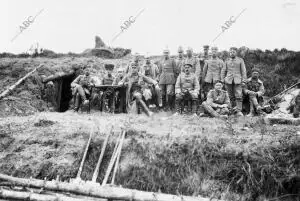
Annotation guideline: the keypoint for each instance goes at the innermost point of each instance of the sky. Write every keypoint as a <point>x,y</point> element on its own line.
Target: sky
<point>71,25</point>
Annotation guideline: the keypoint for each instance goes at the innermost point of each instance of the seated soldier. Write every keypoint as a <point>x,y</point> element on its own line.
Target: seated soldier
<point>120,96</point>
<point>108,96</point>
<point>82,89</point>
<point>151,70</point>
<point>187,87</point>
<point>294,107</point>
<point>253,93</point>
<point>217,103</point>
<point>134,81</point>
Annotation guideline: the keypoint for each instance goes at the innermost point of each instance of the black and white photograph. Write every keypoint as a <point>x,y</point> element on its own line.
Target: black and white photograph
<point>150,100</point>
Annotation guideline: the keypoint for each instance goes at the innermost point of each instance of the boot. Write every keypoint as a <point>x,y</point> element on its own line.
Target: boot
<point>252,112</point>
<point>194,107</point>
<point>239,105</point>
<point>164,102</point>
<point>178,106</point>
<point>77,103</point>
<point>170,101</point>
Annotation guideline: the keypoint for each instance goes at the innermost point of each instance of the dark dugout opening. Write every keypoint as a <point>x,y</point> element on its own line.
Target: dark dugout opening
<point>65,93</point>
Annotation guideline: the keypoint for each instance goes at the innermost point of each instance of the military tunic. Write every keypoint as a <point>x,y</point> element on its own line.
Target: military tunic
<point>212,70</point>
<point>187,83</point>
<point>234,71</point>
<point>215,98</point>
<point>167,72</point>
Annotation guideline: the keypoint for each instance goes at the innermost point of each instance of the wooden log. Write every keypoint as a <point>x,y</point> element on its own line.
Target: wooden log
<point>98,191</point>
<point>85,153</point>
<point>113,160</point>
<point>19,195</point>
<point>96,172</point>
<point>58,76</point>
<point>116,165</point>
<point>14,86</point>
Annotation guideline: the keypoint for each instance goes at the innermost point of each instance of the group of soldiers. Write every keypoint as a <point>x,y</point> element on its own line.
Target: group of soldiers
<point>204,85</point>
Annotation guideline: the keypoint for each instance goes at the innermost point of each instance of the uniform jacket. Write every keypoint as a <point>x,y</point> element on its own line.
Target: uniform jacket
<point>128,67</point>
<point>234,71</point>
<point>117,80</point>
<point>255,85</point>
<point>212,70</point>
<point>215,98</point>
<point>137,79</point>
<point>150,70</point>
<point>187,83</point>
<point>179,64</point>
<point>84,81</point>
<point>106,80</point>
<point>167,71</point>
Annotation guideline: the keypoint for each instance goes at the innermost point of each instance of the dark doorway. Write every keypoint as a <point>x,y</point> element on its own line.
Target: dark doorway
<point>65,93</point>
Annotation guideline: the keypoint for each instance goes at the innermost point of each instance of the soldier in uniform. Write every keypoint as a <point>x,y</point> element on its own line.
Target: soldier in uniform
<point>180,60</point>
<point>190,59</point>
<point>218,102</point>
<point>108,96</point>
<point>294,107</point>
<point>253,92</point>
<point>82,87</point>
<point>233,74</point>
<point>136,60</point>
<point>211,71</point>
<point>120,96</point>
<point>187,87</point>
<point>167,79</point>
<point>149,91</point>
<point>134,81</point>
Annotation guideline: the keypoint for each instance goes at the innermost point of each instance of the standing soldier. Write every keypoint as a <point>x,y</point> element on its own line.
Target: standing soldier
<point>211,71</point>
<point>179,60</point>
<point>187,87</point>
<point>151,70</point>
<point>190,59</point>
<point>217,102</point>
<point>167,75</point>
<point>136,60</point>
<point>253,93</point>
<point>234,76</point>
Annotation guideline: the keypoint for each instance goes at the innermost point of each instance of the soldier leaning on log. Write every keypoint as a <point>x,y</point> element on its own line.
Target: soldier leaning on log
<point>82,87</point>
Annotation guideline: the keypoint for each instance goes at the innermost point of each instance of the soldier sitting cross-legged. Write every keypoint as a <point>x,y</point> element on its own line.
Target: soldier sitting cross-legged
<point>217,103</point>
<point>187,87</point>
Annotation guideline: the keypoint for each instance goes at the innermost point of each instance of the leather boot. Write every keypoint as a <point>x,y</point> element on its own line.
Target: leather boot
<point>178,105</point>
<point>77,102</point>
<point>239,105</point>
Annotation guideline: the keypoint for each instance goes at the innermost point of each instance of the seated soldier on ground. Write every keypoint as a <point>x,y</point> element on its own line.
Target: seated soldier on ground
<point>108,96</point>
<point>187,88</point>
<point>134,81</point>
<point>120,95</point>
<point>82,89</point>
<point>253,93</point>
<point>151,70</point>
<point>294,107</point>
<point>217,103</point>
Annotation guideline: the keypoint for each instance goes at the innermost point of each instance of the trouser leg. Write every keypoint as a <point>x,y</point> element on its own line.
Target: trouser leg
<point>229,89</point>
<point>81,92</point>
<point>170,96</point>
<point>238,96</point>
<point>77,102</point>
<point>163,88</point>
<point>158,95</point>
<point>209,109</point>
<point>178,103</point>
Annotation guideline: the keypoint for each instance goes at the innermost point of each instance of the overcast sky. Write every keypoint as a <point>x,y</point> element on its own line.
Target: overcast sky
<point>71,25</point>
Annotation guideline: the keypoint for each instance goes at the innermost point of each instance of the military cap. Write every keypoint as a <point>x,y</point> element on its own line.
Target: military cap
<point>166,51</point>
<point>214,48</point>
<point>233,48</point>
<point>206,47</point>
<point>218,81</point>
<point>188,64</point>
<point>255,70</point>
<point>189,49</point>
<point>180,49</point>
<point>109,66</point>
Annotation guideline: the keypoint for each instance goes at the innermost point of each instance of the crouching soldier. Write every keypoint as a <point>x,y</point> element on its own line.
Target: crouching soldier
<point>149,90</point>
<point>82,87</point>
<point>187,87</point>
<point>217,103</point>
<point>253,93</point>
<point>108,96</point>
<point>294,107</point>
<point>134,81</point>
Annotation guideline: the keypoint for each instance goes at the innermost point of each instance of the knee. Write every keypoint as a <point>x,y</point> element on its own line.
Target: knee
<point>204,104</point>
<point>137,96</point>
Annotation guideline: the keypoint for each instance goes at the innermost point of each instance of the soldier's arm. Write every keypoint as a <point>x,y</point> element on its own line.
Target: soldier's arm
<point>196,84</point>
<point>261,90</point>
<point>76,81</point>
<point>156,70</point>
<point>148,80</point>
<point>204,70</point>
<point>243,71</point>
<point>178,84</point>
<point>210,99</point>
<point>223,72</point>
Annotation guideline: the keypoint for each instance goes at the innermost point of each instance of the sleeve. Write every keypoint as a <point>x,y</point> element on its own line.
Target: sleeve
<point>196,85</point>
<point>243,71</point>
<point>210,99</point>
<point>148,80</point>
<point>261,90</point>
<point>223,72</point>
<point>178,84</point>
<point>227,99</point>
<point>204,70</point>
<point>76,81</point>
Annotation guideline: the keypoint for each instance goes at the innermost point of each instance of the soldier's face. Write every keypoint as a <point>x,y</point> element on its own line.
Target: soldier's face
<point>218,86</point>
<point>166,55</point>
<point>180,54</point>
<point>187,69</point>
<point>189,53</point>
<point>255,75</point>
<point>148,61</point>
<point>120,73</point>
<point>232,53</point>
<point>214,53</point>
<point>109,72</point>
<point>134,69</point>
